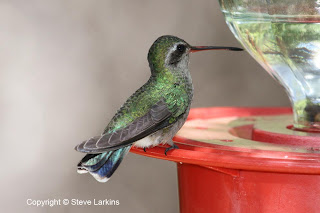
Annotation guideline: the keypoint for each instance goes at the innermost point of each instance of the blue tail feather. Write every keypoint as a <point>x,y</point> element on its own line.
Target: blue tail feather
<point>102,166</point>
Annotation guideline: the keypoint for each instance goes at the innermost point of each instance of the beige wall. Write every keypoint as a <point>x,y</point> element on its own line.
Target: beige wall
<point>66,66</point>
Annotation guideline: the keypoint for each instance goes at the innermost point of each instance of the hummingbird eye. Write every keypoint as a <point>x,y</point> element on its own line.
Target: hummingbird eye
<point>177,54</point>
<point>181,48</point>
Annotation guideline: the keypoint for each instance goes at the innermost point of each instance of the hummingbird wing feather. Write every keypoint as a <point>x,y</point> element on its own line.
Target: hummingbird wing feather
<point>156,118</point>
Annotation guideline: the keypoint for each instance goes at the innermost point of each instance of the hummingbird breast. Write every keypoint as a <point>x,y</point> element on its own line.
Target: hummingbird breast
<point>175,88</point>
<point>184,88</point>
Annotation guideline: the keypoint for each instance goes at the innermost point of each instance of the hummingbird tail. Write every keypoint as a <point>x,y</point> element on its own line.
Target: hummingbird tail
<point>101,166</point>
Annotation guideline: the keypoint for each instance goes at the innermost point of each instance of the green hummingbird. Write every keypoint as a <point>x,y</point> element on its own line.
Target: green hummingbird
<point>152,115</point>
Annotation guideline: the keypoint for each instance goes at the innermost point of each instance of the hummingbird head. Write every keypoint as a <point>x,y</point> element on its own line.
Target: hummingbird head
<point>171,52</point>
<point>168,52</point>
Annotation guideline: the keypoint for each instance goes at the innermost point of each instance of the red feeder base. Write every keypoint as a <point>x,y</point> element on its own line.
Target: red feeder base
<point>244,160</point>
<point>207,190</point>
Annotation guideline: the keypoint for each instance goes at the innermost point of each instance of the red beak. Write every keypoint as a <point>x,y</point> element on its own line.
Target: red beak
<point>202,48</point>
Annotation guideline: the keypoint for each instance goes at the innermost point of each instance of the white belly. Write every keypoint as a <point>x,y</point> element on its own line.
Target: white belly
<point>161,136</point>
<point>149,141</point>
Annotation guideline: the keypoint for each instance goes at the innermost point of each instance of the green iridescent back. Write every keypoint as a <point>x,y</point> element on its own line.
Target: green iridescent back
<point>163,84</point>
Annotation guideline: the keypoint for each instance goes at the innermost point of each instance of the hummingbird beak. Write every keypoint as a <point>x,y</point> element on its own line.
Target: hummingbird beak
<point>202,48</point>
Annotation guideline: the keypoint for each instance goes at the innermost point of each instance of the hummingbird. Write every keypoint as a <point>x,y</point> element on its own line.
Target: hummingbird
<point>152,115</point>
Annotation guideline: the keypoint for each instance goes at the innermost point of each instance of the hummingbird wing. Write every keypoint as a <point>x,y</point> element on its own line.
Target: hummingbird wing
<point>156,118</point>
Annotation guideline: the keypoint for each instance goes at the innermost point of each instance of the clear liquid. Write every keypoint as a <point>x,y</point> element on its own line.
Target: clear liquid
<point>289,49</point>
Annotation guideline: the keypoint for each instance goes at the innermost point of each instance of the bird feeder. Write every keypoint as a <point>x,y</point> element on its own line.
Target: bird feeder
<point>234,159</point>
<point>244,160</point>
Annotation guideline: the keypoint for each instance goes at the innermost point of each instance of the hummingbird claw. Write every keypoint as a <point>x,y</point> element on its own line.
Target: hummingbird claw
<point>144,149</point>
<point>171,147</point>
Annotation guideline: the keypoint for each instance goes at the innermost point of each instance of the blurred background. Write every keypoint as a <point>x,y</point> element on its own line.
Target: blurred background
<point>67,66</point>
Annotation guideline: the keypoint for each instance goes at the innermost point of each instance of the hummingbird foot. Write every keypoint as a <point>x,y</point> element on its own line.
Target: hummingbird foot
<point>144,149</point>
<point>169,148</point>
